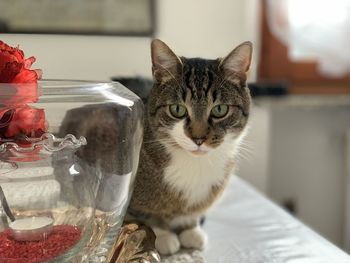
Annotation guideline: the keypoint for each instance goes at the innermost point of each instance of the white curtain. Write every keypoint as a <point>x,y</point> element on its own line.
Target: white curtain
<point>314,30</point>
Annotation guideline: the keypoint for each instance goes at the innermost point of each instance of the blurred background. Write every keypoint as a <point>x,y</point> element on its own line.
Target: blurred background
<point>298,148</point>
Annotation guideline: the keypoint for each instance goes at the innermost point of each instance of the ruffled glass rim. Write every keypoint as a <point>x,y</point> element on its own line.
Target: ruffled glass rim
<point>48,141</point>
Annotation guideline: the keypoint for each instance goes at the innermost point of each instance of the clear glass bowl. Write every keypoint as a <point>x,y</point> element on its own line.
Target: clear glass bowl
<point>79,172</point>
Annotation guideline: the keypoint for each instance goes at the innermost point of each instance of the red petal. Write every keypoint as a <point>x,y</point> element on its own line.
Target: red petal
<point>16,52</point>
<point>6,57</point>
<point>26,76</point>
<point>28,62</point>
<point>9,72</point>
<point>19,54</point>
<point>39,73</point>
<point>5,47</point>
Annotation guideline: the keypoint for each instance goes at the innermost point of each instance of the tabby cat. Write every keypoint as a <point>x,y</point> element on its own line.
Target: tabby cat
<point>197,112</point>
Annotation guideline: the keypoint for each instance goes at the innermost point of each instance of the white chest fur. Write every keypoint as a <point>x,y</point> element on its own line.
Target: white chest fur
<point>194,176</point>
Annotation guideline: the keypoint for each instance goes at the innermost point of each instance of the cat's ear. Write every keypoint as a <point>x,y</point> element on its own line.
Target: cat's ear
<point>165,64</point>
<point>237,63</point>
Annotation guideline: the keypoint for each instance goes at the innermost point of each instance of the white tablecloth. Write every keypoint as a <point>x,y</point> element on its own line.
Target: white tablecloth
<point>246,227</point>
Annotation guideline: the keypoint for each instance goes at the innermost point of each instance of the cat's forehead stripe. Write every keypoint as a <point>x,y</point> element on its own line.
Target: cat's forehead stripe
<point>210,78</point>
<point>198,77</point>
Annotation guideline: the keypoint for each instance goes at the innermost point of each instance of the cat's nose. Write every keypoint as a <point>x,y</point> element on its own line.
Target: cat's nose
<point>199,141</point>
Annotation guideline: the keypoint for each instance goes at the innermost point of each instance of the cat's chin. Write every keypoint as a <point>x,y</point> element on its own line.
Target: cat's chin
<point>198,152</point>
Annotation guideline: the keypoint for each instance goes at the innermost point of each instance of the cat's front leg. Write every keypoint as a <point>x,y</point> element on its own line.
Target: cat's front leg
<point>167,242</point>
<point>191,235</point>
<point>193,238</point>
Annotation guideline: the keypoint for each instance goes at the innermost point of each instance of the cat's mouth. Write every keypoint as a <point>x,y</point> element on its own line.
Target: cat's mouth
<point>198,152</point>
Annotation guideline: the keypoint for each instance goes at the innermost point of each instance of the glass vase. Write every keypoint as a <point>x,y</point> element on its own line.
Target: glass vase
<point>77,173</point>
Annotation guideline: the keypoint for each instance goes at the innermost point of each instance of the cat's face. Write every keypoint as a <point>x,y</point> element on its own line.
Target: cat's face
<point>197,104</point>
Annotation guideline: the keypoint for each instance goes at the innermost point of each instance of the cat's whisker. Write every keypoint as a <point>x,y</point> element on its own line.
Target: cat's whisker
<point>236,95</point>
<point>247,144</point>
<point>168,71</point>
<point>246,154</point>
<point>159,140</point>
<point>181,139</point>
<point>222,83</point>
<point>242,154</point>
<point>159,143</point>
<point>246,150</point>
<point>163,146</point>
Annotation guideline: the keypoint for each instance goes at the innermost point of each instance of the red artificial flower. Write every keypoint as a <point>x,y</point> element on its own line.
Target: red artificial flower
<point>17,119</point>
<point>14,68</point>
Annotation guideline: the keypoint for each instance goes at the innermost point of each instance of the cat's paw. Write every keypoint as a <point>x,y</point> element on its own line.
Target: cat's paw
<point>167,243</point>
<point>193,238</point>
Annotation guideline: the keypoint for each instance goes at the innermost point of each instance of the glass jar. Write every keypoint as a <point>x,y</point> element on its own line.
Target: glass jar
<point>65,189</point>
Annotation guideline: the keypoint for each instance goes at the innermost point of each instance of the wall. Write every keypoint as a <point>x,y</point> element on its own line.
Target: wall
<point>206,28</point>
<point>85,57</point>
<point>308,164</point>
<point>192,28</point>
<point>347,195</point>
<point>253,164</point>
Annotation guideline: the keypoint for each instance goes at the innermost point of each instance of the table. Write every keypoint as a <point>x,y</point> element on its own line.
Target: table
<point>246,227</point>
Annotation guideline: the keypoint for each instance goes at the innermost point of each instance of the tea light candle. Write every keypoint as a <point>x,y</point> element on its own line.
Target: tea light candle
<point>31,228</point>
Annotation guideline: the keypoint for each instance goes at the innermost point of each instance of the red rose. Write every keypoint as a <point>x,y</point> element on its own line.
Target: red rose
<point>14,68</point>
<point>22,121</point>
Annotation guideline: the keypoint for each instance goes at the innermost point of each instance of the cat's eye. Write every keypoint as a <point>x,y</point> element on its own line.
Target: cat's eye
<point>177,110</point>
<point>219,111</point>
